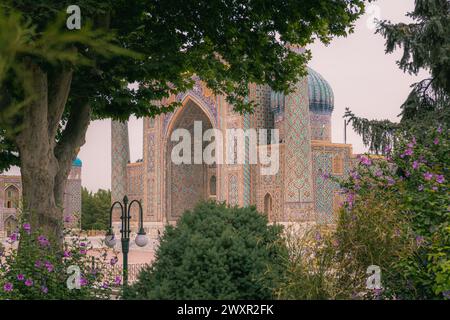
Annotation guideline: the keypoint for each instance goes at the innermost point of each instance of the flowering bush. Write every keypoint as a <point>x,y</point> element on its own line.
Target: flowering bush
<point>397,214</point>
<point>31,268</point>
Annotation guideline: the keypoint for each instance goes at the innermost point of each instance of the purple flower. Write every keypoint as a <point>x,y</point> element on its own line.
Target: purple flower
<point>325,176</point>
<point>446,294</point>
<point>117,280</point>
<point>387,150</point>
<point>408,152</point>
<point>420,187</point>
<point>436,141</point>
<point>82,244</point>
<point>67,254</point>
<point>366,161</point>
<point>114,261</point>
<point>419,240</point>
<point>407,173</point>
<point>318,237</point>
<point>105,285</point>
<point>415,164</point>
<point>8,287</point>
<point>439,129</point>
<point>83,251</point>
<point>27,227</point>
<point>20,277</point>
<point>43,241</point>
<point>428,176</point>
<point>390,181</point>
<point>434,188</point>
<point>354,175</point>
<point>13,237</point>
<point>44,289</point>
<point>350,199</point>
<point>38,264</point>
<point>83,282</point>
<point>68,219</point>
<point>29,282</point>
<point>49,266</point>
<point>440,178</point>
<point>379,173</point>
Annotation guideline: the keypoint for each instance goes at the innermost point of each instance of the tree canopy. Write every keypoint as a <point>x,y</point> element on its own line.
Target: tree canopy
<point>158,45</point>
<point>426,45</point>
<point>95,209</point>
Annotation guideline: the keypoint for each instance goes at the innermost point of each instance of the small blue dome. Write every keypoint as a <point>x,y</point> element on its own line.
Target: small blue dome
<point>77,163</point>
<point>321,97</point>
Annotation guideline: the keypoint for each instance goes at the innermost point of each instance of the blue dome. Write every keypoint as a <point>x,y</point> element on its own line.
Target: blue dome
<point>77,163</point>
<point>321,97</point>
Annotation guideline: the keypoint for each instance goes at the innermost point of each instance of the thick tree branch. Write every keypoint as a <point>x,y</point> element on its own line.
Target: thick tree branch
<point>59,88</point>
<point>73,137</point>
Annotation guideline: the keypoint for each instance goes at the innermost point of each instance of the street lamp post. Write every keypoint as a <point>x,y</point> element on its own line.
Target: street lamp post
<point>141,238</point>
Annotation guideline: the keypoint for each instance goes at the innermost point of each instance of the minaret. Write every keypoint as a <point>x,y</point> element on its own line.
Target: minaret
<point>120,157</point>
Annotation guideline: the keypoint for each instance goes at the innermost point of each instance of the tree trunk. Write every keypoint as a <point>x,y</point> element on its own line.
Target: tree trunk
<point>46,162</point>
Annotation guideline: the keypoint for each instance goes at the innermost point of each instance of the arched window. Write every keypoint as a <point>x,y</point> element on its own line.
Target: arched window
<point>10,225</point>
<point>212,186</point>
<point>268,205</point>
<point>11,197</point>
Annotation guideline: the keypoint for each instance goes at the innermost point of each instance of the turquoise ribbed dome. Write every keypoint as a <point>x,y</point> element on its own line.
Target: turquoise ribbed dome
<point>77,163</point>
<point>321,97</point>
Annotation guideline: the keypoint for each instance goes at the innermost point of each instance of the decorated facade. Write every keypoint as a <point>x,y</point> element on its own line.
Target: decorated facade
<point>296,192</point>
<point>11,193</point>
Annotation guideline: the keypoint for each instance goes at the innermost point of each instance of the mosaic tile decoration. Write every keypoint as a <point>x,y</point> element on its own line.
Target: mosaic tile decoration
<point>298,184</point>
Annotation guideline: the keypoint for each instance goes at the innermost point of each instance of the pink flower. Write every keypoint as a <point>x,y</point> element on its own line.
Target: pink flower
<point>325,176</point>
<point>29,282</point>
<point>20,277</point>
<point>49,266</point>
<point>436,141</point>
<point>83,282</point>
<point>365,161</point>
<point>379,173</point>
<point>27,227</point>
<point>114,261</point>
<point>83,251</point>
<point>428,176</point>
<point>44,290</point>
<point>415,165</point>
<point>390,181</point>
<point>408,152</point>
<point>68,219</point>
<point>13,237</point>
<point>38,264</point>
<point>43,241</point>
<point>420,240</point>
<point>8,287</point>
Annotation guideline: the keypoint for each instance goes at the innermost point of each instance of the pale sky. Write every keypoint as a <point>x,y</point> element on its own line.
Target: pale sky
<point>362,76</point>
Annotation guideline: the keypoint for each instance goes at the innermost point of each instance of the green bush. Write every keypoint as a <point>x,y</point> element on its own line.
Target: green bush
<point>214,252</point>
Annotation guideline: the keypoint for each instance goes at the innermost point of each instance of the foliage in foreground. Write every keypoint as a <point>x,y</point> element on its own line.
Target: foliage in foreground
<point>214,252</point>
<point>30,268</point>
<point>396,216</point>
